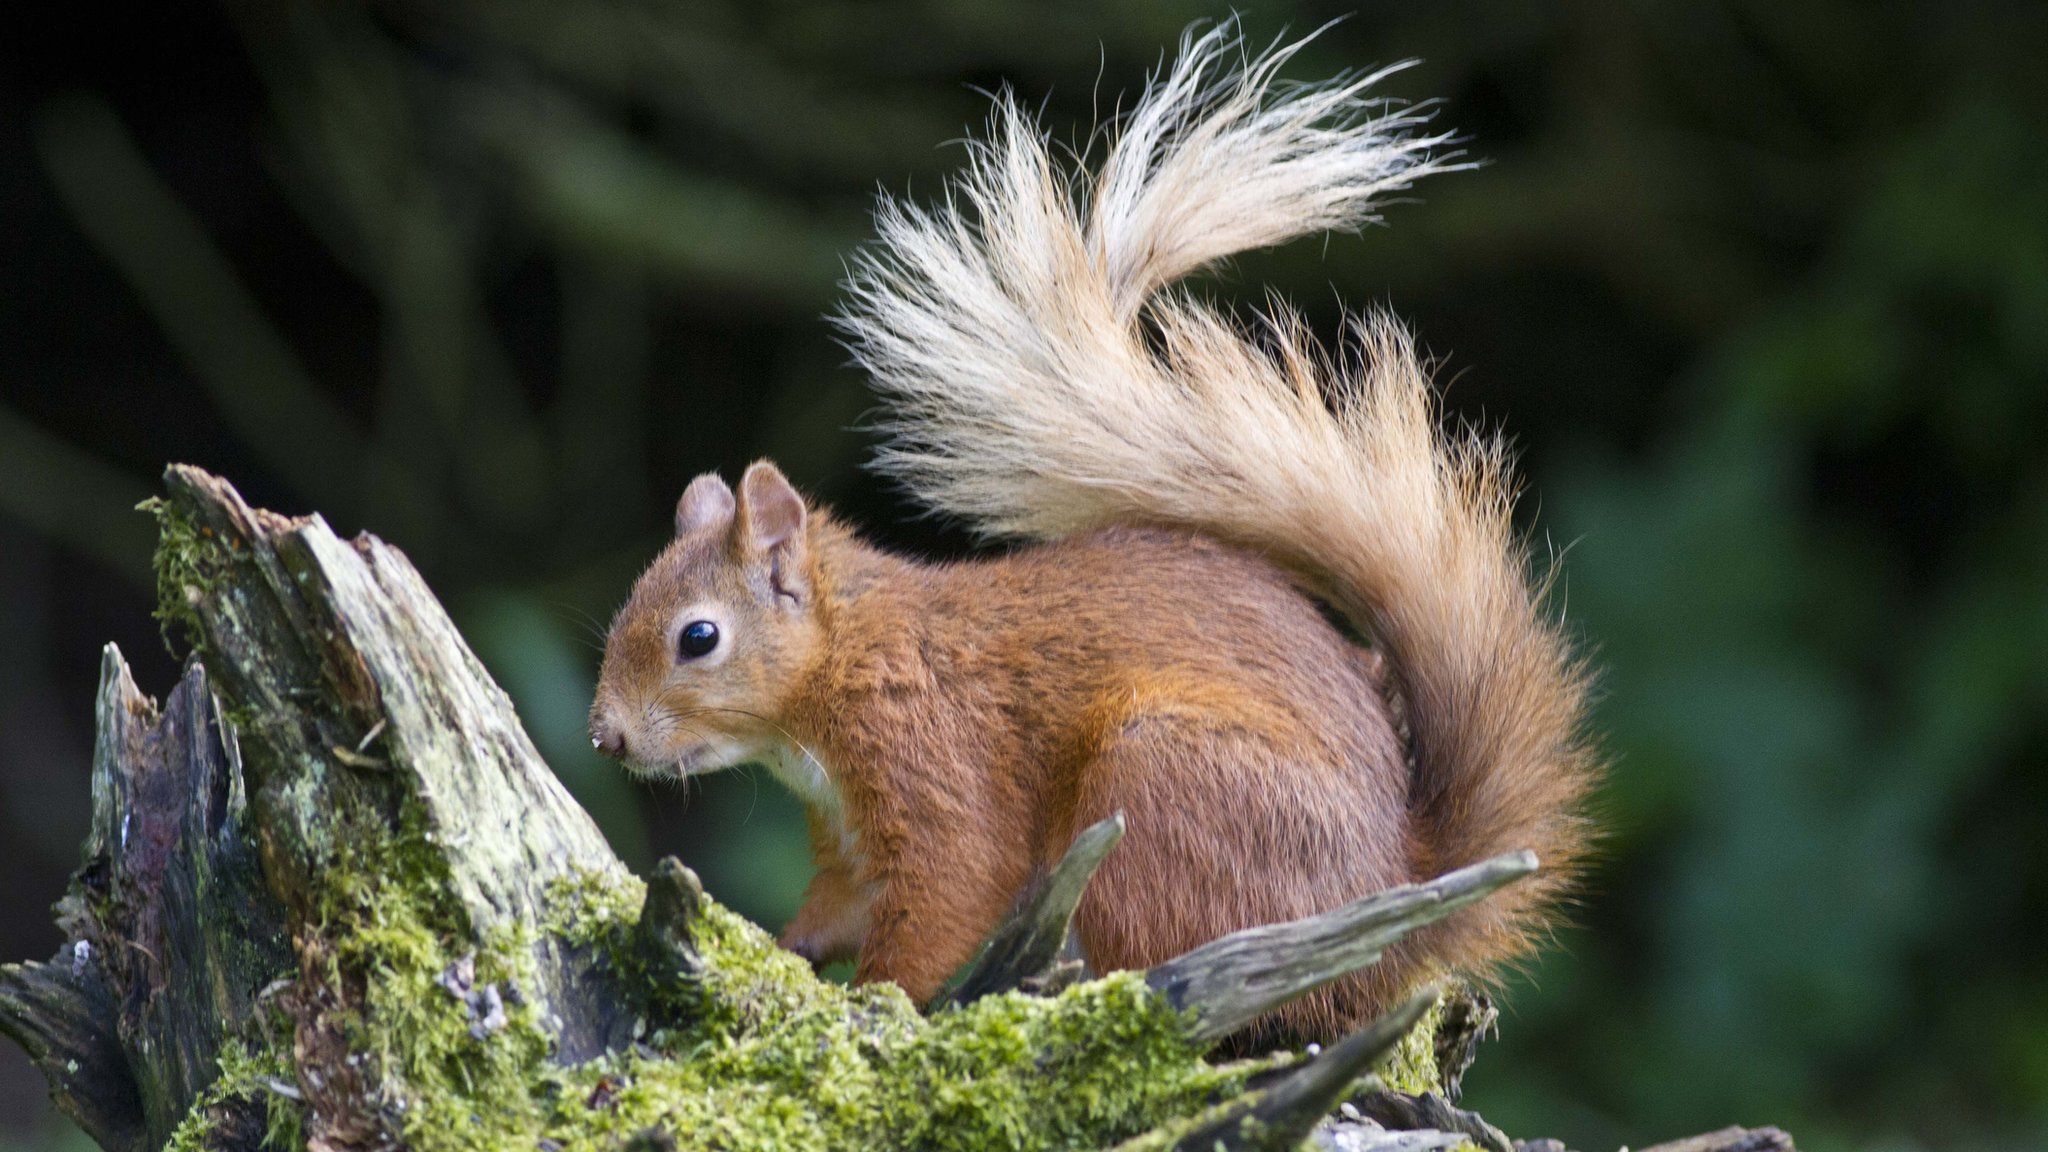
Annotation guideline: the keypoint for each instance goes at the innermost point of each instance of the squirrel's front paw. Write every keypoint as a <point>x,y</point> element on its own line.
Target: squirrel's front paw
<point>804,946</point>
<point>815,947</point>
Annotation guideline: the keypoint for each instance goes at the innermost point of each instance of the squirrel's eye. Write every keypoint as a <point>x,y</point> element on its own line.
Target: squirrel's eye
<point>697,638</point>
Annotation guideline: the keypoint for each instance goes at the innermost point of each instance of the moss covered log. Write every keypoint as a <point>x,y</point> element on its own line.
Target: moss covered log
<point>333,899</point>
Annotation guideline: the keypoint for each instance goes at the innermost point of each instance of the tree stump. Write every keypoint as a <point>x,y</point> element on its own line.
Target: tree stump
<point>332,898</point>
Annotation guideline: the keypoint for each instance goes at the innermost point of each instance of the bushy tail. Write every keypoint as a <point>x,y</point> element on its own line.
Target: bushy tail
<point>1044,378</point>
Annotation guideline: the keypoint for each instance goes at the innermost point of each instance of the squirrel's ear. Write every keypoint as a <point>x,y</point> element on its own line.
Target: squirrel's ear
<point>771,513</point>
<point>706,503</point>
<point>771,525</point>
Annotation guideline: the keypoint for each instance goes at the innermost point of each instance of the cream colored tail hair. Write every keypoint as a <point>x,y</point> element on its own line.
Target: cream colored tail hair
<point>1043,378</point>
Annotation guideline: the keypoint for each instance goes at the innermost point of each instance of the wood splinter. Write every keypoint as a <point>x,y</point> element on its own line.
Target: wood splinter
<point>1229,982</point>
<point>1281,1115</point>
<point>1027,948</point>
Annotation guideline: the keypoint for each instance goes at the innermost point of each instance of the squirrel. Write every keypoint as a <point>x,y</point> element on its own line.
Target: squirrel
<point>1257,600</point>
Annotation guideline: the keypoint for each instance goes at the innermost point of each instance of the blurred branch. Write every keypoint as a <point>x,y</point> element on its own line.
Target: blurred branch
<point>251,374</point>
<point>1730,1139</point>
<point>952,39</point>
<point>605,352</point>
<point>594,188</point>
<point>441,339</point>
<point>369,172</point>
<point>73,498</point>
<point>805,122</point>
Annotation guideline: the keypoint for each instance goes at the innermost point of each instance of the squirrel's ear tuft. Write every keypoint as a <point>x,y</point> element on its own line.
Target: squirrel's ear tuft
<point>771,513</point>
<point>706,503</point>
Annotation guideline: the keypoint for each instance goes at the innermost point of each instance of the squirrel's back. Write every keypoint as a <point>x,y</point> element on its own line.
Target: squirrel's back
<point>1044,379</point>
<point>1109,611</point>
<point>1046,632</point>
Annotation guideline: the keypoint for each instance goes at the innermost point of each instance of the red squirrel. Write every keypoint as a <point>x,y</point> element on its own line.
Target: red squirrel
<point>1259,602</point>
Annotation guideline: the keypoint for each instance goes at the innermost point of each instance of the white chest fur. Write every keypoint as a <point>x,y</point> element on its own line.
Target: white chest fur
<point>807,777</point>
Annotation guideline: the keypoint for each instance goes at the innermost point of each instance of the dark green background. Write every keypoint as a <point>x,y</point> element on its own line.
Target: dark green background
<point>1760,289</point>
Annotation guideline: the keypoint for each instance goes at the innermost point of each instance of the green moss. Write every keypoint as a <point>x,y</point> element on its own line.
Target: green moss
<point>1411,1067</point>
<point>187,564</point>
<point>779,1058</point>
<point>400,949</point>
<point>593,906</point>
<point>817,1065</point>
<point>248,1078</point>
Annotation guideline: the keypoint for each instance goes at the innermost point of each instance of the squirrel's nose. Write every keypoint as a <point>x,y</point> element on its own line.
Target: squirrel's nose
<point>607,739</point>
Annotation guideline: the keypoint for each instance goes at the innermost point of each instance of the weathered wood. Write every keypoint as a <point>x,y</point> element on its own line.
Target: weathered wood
<point>1228,983</point>
<point>1281,1115</point>
<point>173,932</point>
<point>366,720</point>
<point>185,893</point>
<point>1352,1136</point>
<point>1027,947</point>
<point>1730,1139</point>
<point>1407,1111</point>
<point>1468,1017</point>
<point>59,1012</point>
<point>670,963</point>
<point>358,695</point>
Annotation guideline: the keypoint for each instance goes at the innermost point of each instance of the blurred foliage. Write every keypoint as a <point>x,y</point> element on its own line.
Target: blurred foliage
<point>1761,288</point>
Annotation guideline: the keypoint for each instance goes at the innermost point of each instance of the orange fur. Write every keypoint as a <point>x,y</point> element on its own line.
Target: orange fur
<point>1158,648</point>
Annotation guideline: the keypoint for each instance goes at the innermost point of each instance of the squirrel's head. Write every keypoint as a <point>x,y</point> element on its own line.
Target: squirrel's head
<point>699,661</point>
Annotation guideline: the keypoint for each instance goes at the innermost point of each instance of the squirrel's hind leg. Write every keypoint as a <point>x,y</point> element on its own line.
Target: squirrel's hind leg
<point>1228,828</point>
